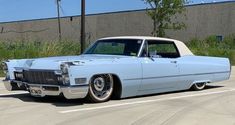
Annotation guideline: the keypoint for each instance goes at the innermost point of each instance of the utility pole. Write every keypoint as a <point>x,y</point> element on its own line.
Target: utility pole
<point>83,25</point>
<point>58,17</point>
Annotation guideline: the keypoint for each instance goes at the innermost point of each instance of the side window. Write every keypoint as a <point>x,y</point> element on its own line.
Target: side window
<point>161,49</point>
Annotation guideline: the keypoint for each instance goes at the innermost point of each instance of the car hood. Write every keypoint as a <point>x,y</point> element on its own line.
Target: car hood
<point>80,58</point>
<point>53,63</point>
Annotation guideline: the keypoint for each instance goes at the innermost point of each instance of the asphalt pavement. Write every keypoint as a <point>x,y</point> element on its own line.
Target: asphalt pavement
<point>214,105</point>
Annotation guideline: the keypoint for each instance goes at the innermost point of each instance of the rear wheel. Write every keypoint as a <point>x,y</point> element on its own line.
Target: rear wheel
<point>100,88</point>
<point>199,86</point>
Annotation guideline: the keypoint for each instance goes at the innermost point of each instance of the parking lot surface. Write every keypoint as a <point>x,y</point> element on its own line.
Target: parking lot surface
<point>214,105</point>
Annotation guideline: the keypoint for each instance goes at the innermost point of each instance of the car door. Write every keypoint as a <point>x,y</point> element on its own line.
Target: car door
<point>159,66</point>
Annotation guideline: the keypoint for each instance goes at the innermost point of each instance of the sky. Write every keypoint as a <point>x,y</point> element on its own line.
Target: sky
<point>15,10</point>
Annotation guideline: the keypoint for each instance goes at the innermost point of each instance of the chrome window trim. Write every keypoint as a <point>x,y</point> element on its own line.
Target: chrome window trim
<point>141,47</point>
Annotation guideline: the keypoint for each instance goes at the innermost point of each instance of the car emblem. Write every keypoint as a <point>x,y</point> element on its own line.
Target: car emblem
<point>49,80</point>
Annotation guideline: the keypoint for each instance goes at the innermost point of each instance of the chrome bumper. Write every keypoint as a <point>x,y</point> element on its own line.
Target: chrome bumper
<point>39,90</point>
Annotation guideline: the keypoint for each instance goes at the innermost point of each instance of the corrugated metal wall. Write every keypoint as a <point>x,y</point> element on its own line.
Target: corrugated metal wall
<point>202,20</point>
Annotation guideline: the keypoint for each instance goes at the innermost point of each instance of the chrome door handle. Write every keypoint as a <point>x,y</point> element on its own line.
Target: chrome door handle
<point>173,61</point>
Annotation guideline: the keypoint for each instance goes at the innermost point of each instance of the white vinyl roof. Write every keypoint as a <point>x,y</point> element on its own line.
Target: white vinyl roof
<point>183,49</point>
<point>137,37</point>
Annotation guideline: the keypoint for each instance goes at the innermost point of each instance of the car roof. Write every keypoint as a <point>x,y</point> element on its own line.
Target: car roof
<point>138,37</point>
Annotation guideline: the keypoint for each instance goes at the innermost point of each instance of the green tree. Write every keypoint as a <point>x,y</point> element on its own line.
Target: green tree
<point>164,15</point>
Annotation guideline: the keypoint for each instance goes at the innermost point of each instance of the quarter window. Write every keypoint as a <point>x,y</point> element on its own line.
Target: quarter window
<point>161,49</point>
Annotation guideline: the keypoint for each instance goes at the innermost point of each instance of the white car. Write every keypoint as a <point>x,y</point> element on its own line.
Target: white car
<point>117,67</point>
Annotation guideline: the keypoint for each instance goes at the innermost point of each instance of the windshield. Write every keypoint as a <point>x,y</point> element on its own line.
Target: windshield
<point>126,47</point>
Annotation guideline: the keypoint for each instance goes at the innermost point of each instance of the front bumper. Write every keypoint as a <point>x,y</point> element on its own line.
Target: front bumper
<point>41,90</point>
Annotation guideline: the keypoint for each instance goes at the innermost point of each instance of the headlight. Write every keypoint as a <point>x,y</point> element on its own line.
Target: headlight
<point>66,79</point>
<point>19,76</point>
<point>65,73</point>
<point>64,68</point>
<point>4,67</point>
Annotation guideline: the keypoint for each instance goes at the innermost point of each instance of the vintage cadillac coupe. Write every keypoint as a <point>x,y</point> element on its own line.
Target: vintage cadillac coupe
<point>117,67</point>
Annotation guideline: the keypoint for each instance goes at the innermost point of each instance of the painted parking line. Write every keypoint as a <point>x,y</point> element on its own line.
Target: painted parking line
<point>144,101</point>
<point>15,93</point>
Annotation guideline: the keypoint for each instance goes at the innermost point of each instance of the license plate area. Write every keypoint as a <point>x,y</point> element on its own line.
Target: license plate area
<point>36,91</point>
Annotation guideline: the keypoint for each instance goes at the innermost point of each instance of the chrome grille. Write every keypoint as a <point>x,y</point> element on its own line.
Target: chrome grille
<point>40,77</point>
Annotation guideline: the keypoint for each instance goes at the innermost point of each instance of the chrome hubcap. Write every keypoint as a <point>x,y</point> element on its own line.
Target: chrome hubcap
<point>99,84</point>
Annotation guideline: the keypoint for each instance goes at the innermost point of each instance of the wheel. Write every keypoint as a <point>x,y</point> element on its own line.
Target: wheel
<point>100,88</point>
<point>198,86</point>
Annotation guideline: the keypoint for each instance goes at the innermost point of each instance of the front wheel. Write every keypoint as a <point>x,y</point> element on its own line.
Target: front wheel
<point>198,86</point>
<point>100,88</point>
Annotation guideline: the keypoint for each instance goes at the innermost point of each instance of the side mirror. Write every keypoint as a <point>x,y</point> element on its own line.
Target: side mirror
<point>153,54</point>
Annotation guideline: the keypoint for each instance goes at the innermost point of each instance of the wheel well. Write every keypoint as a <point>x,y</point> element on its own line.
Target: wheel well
<point>203,81</point>
<point>117,87</point>
<point>192,85</point>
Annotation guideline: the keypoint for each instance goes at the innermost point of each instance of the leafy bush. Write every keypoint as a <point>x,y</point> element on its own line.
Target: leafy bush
<point>35,49</point>
<point>211,46</point>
